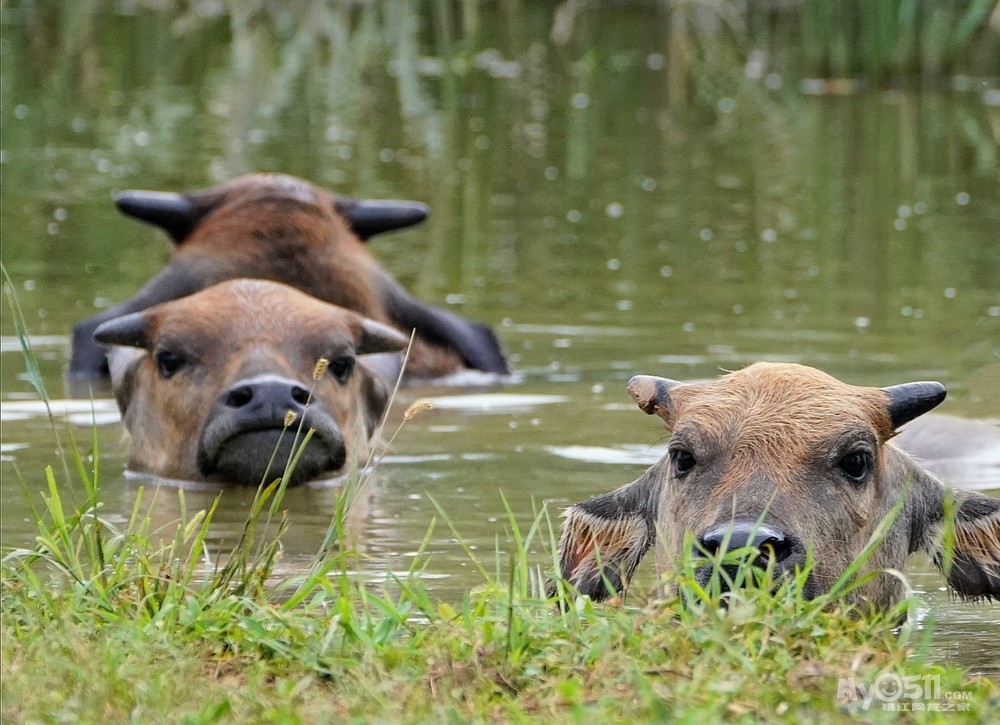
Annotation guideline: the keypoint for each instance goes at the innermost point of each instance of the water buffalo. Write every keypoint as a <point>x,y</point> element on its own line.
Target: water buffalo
<point>212,384</point>
<point>279,227</point>
<point>784,458</point>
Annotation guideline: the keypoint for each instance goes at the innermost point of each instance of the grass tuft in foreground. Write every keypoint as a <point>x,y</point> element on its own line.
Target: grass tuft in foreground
<point>110,623</point>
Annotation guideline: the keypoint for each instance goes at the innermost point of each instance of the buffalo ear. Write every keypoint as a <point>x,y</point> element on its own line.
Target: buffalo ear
<point>604,539</point>
<point>368,217</point>
<point>176,214</point>
<point>376,337</point>
<point>971,559</point>
<point>652,395</point>
<point>910,400</point>
<point>375,395</point>
<point>128,330</point>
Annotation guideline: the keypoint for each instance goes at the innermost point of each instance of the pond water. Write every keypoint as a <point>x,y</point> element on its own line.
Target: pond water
<point>603,224</point>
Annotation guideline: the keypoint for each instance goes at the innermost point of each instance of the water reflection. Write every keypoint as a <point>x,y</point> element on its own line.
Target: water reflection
<point>604,228</point>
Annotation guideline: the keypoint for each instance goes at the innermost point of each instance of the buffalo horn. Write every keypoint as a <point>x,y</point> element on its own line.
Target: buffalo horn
<point>909,400</point>
<point>652,394</point>
<point>172,212</point>
<point>376,337</point>
<point>368,217</point>
<point>127,330</point>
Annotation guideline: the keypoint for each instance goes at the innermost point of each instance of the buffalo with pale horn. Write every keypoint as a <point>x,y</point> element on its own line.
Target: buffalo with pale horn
<point>787,460</point>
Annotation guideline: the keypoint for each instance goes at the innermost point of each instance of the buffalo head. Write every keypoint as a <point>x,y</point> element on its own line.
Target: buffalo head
<point>787,460</point>
<point>218,385</point>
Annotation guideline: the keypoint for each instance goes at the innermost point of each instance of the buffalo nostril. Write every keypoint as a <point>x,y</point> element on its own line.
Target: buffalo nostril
<point>300,395</point>
<point>773,547</point>
<point>709,545</point>
<point>240,396</point>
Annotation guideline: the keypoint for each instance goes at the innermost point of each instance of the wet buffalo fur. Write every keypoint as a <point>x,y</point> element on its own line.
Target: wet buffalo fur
<point>213,385</point>
<point>801,455</point>
<point>278,227</point>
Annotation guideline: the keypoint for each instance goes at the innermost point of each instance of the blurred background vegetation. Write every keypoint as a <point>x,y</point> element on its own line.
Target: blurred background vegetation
<point>549,138</point>
<point>880,42</point>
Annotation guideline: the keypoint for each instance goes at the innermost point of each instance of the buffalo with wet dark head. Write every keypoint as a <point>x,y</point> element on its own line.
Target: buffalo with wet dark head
<point>218,386</point>
<point>278,227</point>
<point>785,459</point>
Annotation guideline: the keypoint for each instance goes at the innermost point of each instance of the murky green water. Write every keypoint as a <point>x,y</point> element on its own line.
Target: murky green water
<point>603,227</point>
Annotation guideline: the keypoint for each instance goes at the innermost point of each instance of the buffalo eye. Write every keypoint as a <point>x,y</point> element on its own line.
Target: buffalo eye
<point>341,368</point>
<point>168,363</point>
<point>683,461</point>
<point>856,465</point>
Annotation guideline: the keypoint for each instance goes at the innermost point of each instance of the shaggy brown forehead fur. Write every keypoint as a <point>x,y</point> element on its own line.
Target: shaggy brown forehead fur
<point>785,406</point>
<point>282,228</point>
<point>253,188</point>
<point>246,310</point>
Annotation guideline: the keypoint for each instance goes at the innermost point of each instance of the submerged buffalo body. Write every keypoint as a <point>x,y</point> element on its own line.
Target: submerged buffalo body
<point>278,227</point>
<point>784,459</point>
<point>215,385</point>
